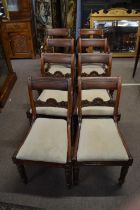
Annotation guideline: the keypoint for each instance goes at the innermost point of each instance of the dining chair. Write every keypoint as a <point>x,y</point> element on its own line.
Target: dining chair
<point>99,141</point>
<point>48,141</point>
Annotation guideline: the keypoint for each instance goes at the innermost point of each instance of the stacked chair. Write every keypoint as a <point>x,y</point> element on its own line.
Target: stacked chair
<point>74,120</point>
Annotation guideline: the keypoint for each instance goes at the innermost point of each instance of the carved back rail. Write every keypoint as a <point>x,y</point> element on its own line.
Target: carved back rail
<point>90,58</point>
<point>42,83</point>
<point>66,43</point>
<point>94,33</point>
<point>108,83</point>
<point>57,33</point>
<point>102,44</point>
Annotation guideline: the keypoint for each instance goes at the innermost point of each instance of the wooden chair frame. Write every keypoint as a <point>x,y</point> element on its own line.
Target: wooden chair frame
<point>111,84</point>
<point>57,32</point>
<point>93,33</point>
<point>57,58</point>
<point>41,84</point>
<point>91,43</point>
<point>66,43</point>
<point>91,58</point>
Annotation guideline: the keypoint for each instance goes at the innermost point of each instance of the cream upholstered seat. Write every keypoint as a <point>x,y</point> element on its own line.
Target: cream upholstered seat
<point>53,68</point>
<point>95,67</point>
<point>59,96</point>
<point>47,141</point>
<point>100,140</point>
<point>96,110</point>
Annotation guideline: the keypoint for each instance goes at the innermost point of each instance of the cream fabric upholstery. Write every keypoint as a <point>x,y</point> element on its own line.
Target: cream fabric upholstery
<point>93,67</point>
<point>64,69</point>
<point>97,110</point>
<point>100,140</point>
<point>46,141</point>
<point>59,95</point>
<point>95,93</point>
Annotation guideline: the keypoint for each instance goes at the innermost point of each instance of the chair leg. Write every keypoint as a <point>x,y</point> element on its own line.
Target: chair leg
<point>68,175</point>
<point>123,174</point>
<point>21,170</point>
<point>75,174</point>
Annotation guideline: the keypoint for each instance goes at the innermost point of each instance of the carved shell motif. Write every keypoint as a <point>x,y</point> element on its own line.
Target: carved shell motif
<point>57,74</point>
<point>51,102</point>
<point>98,102</point>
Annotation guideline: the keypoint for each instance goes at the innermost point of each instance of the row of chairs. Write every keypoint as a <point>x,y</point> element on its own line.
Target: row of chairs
<point>97,140</point>
<point>81,101</point>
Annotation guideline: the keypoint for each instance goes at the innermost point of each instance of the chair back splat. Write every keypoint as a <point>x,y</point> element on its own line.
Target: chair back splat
<point>111,84</point>
<point>64,61</point>
<point>91,65</point>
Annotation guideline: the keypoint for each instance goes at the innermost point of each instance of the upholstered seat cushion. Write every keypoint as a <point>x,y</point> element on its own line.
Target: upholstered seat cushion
<point>96,110</point>
<point>46,141</point>
<point>93,67</point>
<point>61,68</point>
<point>100,140</point>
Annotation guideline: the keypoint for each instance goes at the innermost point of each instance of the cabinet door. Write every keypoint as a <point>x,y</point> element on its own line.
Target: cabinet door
<point>20,44</point>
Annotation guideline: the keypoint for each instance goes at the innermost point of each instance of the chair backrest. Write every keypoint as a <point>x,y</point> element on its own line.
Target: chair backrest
<point>67,44</point>
<point>101,44</point>
<point>40,84</point>
<point>57,58</point>
<point>111,84</point>
<point>94,33</point>
<point>57,33</point>
<point>91,58</point>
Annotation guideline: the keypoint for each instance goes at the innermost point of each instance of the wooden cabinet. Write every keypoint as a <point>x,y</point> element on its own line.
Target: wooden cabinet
<point>7,76</point>
<point>19,33</point>
<point>19,38</point>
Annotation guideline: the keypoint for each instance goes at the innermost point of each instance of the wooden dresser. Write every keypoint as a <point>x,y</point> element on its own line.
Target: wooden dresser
<point>18,31</point>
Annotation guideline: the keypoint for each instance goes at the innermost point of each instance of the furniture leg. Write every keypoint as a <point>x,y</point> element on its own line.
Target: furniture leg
<point>123,174</point>
<point>21,170</point>
<point>137,59</point>
<point>68,174</point>
<point>75,174</point>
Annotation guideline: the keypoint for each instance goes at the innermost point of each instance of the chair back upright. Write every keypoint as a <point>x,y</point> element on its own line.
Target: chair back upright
<point>111,84</point>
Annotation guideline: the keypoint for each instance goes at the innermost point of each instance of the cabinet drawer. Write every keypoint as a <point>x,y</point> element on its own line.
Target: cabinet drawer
<point>16,26</point>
